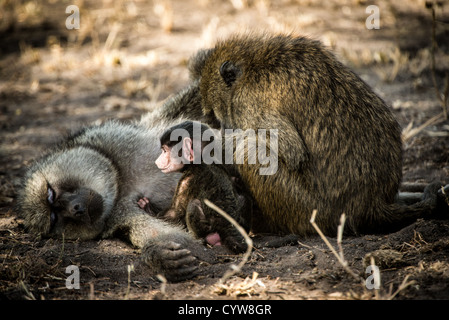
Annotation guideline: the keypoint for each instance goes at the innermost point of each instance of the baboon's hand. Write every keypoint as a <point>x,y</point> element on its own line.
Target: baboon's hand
<point>143,202</point>
<point>171,259</point>
<point>443,200</point>
<point>146,205</point>
<point>437,197</point>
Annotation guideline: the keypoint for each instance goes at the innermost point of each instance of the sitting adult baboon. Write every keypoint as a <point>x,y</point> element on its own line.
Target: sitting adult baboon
<point>339,145</point>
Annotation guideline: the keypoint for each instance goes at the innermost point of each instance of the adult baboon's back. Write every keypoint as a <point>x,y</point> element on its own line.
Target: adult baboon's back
<point>340,147</point>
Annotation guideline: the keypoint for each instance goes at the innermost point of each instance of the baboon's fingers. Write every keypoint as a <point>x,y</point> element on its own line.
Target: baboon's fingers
<point>182,274</point>
<point>176,257</point>
<point>141,203</point>
<point>171,245</point>
<point>179,261</point>
<point>172,260</point>
<point>180,265</point>
<point>187,272</point>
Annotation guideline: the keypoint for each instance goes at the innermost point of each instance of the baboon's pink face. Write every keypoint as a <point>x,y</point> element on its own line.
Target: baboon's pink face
<point>166,163</point>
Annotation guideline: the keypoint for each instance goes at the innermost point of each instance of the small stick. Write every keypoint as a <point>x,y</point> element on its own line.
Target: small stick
<point>376,275</point>
<point>340,235</point>
<point>29,294</point>
<point>407,134</point>
<point>402,286</point>
<point>249,241</point>
<point>343,262</point>
<point>128,289</point>
<point>162,279</point>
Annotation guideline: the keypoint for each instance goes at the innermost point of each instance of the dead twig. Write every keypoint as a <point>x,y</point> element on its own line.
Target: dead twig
<point>28,294</point>
<point>130,269</point>
<point>405,283</point>
<point>249,242</point>
<point>162,279</point>
<point>409,133</point>
<point>339,257</point>
<point>241,288</point>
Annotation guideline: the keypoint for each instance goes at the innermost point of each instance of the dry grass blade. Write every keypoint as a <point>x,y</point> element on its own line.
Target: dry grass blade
<point>339,257</point>
<point>409,133</point>
<point>111,37</point>
<point>376,275</point>
<point>162,279</point>
<point>28,294</point>
<point>246,287</point>
<point>340,235</point>
<point>91,291</point>
<point>130,269</point>
<point>402,286</point>
<point>249,242</point>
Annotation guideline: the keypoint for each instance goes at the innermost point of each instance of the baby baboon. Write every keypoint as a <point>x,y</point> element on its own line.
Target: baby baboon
<point>339,146</point>
<point>183,150</point>
<point>87,188</point>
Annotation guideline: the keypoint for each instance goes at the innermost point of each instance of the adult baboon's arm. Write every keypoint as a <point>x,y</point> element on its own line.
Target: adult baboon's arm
<point>166,248</point>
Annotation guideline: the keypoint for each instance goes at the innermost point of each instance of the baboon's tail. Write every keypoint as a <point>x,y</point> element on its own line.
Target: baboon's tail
<point>434,204</point>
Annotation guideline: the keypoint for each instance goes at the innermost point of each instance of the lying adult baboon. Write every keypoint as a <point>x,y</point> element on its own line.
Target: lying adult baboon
<point>88,186</point>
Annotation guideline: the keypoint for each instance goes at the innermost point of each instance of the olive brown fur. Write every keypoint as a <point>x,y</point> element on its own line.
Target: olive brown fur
<point>340,148</point>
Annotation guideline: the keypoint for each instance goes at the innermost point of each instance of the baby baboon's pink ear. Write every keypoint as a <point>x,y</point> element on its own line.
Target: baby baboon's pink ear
<point>187,149</point>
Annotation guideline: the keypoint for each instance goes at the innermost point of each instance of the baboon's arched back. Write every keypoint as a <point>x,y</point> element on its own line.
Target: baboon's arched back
<point>339,144</point>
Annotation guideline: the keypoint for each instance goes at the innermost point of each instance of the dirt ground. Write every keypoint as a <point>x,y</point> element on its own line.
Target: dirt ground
<point>128,56</point>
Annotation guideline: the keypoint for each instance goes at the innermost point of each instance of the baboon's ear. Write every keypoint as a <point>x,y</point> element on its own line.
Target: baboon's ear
<point>187,149</point>
<point>229,72</point>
